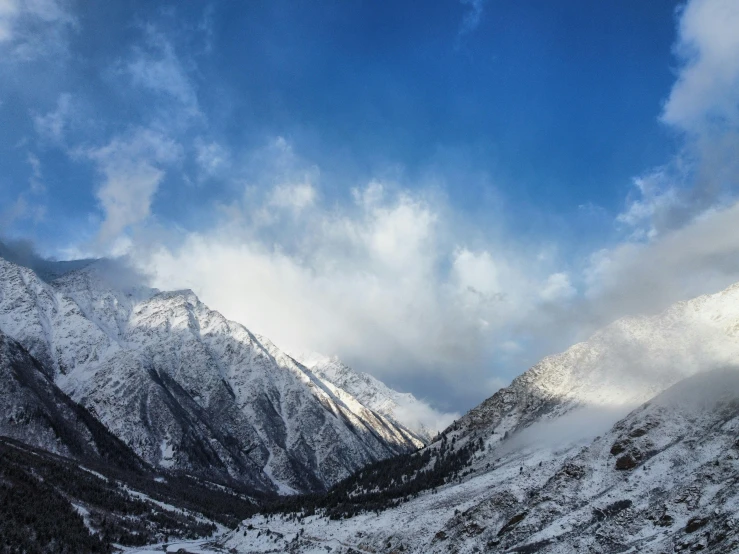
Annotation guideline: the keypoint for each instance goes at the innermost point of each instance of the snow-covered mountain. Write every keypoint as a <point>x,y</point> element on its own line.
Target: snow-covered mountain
<point>625,442</point>
<point>186,388</point>
<point>400,407</point>
<point>619,367</point>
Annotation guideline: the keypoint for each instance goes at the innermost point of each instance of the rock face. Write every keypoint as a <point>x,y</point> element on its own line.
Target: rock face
<point>186,388</point>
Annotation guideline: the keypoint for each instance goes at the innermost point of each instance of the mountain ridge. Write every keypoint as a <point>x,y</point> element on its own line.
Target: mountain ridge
<point>403,409</point>
<point>188,389</point>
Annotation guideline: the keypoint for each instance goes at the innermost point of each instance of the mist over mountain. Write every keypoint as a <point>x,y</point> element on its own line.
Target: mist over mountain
<point>360,277</point>
<point>627,440</point>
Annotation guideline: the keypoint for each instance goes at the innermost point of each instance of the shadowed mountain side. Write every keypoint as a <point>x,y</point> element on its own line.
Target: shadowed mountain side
<point>36,412</point>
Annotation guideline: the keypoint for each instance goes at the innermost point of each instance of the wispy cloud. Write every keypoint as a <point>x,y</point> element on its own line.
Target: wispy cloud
<point>9,12</point>
<point>213,159</point>
<point>132,167</point>
<point>30,203</point>
<point>34,28</point>
<point>155,66</point>
<point>53,125</point>
<point>472,16</point>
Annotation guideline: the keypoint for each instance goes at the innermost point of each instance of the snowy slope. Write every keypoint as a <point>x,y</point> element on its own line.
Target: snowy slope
<point>619,367</point>
<point>402,408</point>
<point>188,389</point>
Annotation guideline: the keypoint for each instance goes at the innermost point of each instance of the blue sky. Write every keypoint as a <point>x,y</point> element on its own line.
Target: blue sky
<point>423,188</point>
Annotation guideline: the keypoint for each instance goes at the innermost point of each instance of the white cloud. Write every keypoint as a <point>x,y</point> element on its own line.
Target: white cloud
<point>35,182</point>
<point>156,66</point>
<point>294,196</point>
<point>636,277</point>
<point>385,280</point>
<point>53,125</point>
<point>558,288</point>
<point>706,88</point>
<point>9,11</point>
<point>132,168</point>
<point>476,272</point>
<point>213,159</point>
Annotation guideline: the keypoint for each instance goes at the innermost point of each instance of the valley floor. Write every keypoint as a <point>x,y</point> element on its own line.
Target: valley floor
<point>411,527</point>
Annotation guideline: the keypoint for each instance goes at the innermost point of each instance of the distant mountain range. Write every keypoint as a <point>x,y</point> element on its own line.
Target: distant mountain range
<point>402,408</point>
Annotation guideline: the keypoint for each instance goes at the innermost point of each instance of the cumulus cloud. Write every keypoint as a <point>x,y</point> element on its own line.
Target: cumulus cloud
<point>132,167</point>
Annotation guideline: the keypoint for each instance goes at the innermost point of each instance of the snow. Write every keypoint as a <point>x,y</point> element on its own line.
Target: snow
<point>167,457</point>
<point>404,409</point>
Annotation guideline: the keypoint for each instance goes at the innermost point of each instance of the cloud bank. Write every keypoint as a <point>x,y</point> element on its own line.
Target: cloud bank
<point>390,276</point>
<point>393,282</point>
